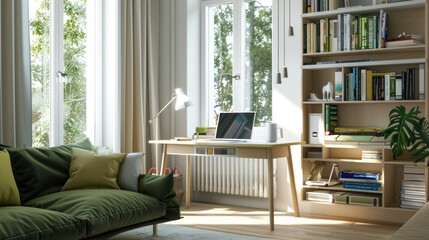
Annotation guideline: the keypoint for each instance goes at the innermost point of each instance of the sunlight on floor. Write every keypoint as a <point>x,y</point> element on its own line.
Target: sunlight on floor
<point>214,216</point>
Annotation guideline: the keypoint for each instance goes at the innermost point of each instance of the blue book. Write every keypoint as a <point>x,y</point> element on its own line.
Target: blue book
<point>369,184</point>
<point>360,175</point>
<point>361,187</point>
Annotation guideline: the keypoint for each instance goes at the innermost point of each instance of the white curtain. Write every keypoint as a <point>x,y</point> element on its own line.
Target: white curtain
<point>139,75</point>
<point>15,80</point>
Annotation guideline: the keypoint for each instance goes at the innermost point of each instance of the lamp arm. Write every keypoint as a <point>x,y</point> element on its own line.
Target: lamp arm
<point>162,110</point>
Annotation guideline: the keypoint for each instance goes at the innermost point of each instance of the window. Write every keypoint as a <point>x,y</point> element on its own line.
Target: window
<point>237,52</point>
<point>58,60</point>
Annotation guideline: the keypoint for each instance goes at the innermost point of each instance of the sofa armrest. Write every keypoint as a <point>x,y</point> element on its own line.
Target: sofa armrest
<point>161,187</point>
<point>416,226</point>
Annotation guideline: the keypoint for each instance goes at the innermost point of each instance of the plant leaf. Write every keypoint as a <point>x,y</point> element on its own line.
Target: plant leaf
<point>421,147</point>
<point>401,129</point>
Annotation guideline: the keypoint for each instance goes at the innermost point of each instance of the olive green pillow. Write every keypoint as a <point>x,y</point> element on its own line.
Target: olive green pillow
<point>90,170</point>
<point>9,194</point>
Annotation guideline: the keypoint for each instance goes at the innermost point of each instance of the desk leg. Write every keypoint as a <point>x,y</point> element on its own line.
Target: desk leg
<point>292,183</point>
<point>188,181</point>
<point>271,189</point>
<point>164,161</point>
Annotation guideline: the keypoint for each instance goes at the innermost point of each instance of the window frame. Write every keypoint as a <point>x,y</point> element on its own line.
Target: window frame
<point>239,89</point>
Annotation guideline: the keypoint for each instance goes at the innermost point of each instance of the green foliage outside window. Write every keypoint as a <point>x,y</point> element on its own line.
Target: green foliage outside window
<point>74,61</point>
<point>258,51</point>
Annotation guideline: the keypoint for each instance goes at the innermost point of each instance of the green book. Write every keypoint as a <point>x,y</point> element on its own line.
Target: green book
<point>354,138</point>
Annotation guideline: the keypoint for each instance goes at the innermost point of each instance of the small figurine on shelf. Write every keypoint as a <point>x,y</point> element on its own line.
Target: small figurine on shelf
<point>328,91</point>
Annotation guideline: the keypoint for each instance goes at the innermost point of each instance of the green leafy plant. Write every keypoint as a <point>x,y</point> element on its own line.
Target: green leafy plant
<point>409,133</point>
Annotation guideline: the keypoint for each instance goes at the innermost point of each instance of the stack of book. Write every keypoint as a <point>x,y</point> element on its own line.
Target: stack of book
<point>413,187</point>
<point>358,135</point>
<point>371,154</point>
<point>361,180</point>
<point>404,41</point>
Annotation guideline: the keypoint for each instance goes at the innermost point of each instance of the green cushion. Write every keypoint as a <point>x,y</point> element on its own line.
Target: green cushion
<point>90,170</point>
<point>40,171</point>
<point>161,187</point>
<point>9,194</point>
<point>103,209</point>
<point>33,223</point>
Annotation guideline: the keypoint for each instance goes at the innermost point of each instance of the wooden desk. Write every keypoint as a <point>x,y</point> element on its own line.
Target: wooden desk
<point>267,151</point>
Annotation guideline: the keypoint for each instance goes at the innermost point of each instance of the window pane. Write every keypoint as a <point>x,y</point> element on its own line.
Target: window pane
<point>74,63</point>
<point>258,59</point>
<point>220,58</point>
<point>40,70</point>
<point>73,98</point>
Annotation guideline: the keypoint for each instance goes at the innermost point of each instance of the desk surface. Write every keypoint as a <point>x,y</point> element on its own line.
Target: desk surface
<point>224,143</point>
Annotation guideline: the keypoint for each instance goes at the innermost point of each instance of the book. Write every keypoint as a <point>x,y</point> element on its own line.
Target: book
<point>411,183</point>
<point>414,177</point>
<point>414,169</point>
<point>367,200</point>
<point>402,42</point>
<point>354,138</point>
<point>360,175</point>
<point>338,85</point>
<point>368,184</point>
<point>398,87</point>
<point>421,81</point>
<point>358,129</point>
<point>362,187</point>
<point>359,180</point>
<point>369,85</point>
<point>320,195</point>
<point>383,26</point>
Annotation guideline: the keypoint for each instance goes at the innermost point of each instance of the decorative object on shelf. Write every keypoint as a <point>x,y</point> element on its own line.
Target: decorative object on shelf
<point>314,98</point>
<point>182,101</point>
<point>328,92</point>
<point>409,132</point>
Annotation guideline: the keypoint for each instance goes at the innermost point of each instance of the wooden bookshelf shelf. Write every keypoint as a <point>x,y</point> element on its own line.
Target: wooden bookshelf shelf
<point>325,63</point>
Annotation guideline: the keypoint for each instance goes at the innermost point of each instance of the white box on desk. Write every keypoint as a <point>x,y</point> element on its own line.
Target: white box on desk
<point>316,129</point>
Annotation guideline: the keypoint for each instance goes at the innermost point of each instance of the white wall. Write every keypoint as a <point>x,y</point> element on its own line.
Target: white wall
<point>179,36</point>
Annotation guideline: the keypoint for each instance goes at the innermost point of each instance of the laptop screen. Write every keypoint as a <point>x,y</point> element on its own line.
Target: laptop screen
<point>235,125</point>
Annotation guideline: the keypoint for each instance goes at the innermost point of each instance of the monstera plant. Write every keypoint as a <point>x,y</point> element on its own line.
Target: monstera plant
<point>409,133</point>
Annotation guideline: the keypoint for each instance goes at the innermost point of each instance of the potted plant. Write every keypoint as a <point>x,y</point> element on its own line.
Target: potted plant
<point>409,133</point>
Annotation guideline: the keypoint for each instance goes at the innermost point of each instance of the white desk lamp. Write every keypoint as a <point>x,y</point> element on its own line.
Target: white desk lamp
<point>182,101</point>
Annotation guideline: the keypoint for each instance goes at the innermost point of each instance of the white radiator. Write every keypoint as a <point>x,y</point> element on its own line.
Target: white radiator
<point>229,175</point>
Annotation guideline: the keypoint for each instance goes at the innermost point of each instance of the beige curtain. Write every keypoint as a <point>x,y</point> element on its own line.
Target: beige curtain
<point>139,79</point>
<point>15,81</point>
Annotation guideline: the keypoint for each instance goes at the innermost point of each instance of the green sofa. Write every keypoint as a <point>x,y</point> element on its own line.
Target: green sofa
<point>47,211</point>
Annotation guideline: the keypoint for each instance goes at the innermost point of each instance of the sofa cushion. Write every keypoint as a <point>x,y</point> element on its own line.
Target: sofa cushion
<point>129,171</point>
<point>161,187</point>
<point>103,209</point>
<point>90,170</point>
<point>34,223</point>
<point>40,171</point>
<point>9,194</point>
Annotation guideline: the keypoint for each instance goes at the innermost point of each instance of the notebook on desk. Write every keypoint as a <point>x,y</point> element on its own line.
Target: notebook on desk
<point>234,126</point>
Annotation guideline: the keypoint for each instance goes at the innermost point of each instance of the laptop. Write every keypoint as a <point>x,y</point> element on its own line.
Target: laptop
<point>235,126</point>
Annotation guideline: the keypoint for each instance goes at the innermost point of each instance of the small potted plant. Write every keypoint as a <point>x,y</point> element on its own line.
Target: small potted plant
<point>409,133</point>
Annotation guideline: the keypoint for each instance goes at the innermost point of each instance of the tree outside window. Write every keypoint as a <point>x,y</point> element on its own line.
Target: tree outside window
<point>255,58</point>
<point>74,55</point>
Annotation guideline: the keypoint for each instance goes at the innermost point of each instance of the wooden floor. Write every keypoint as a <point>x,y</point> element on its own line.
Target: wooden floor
<point>255,222</point>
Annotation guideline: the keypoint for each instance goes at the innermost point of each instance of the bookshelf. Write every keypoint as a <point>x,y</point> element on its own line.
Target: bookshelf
<point>320,67</point>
